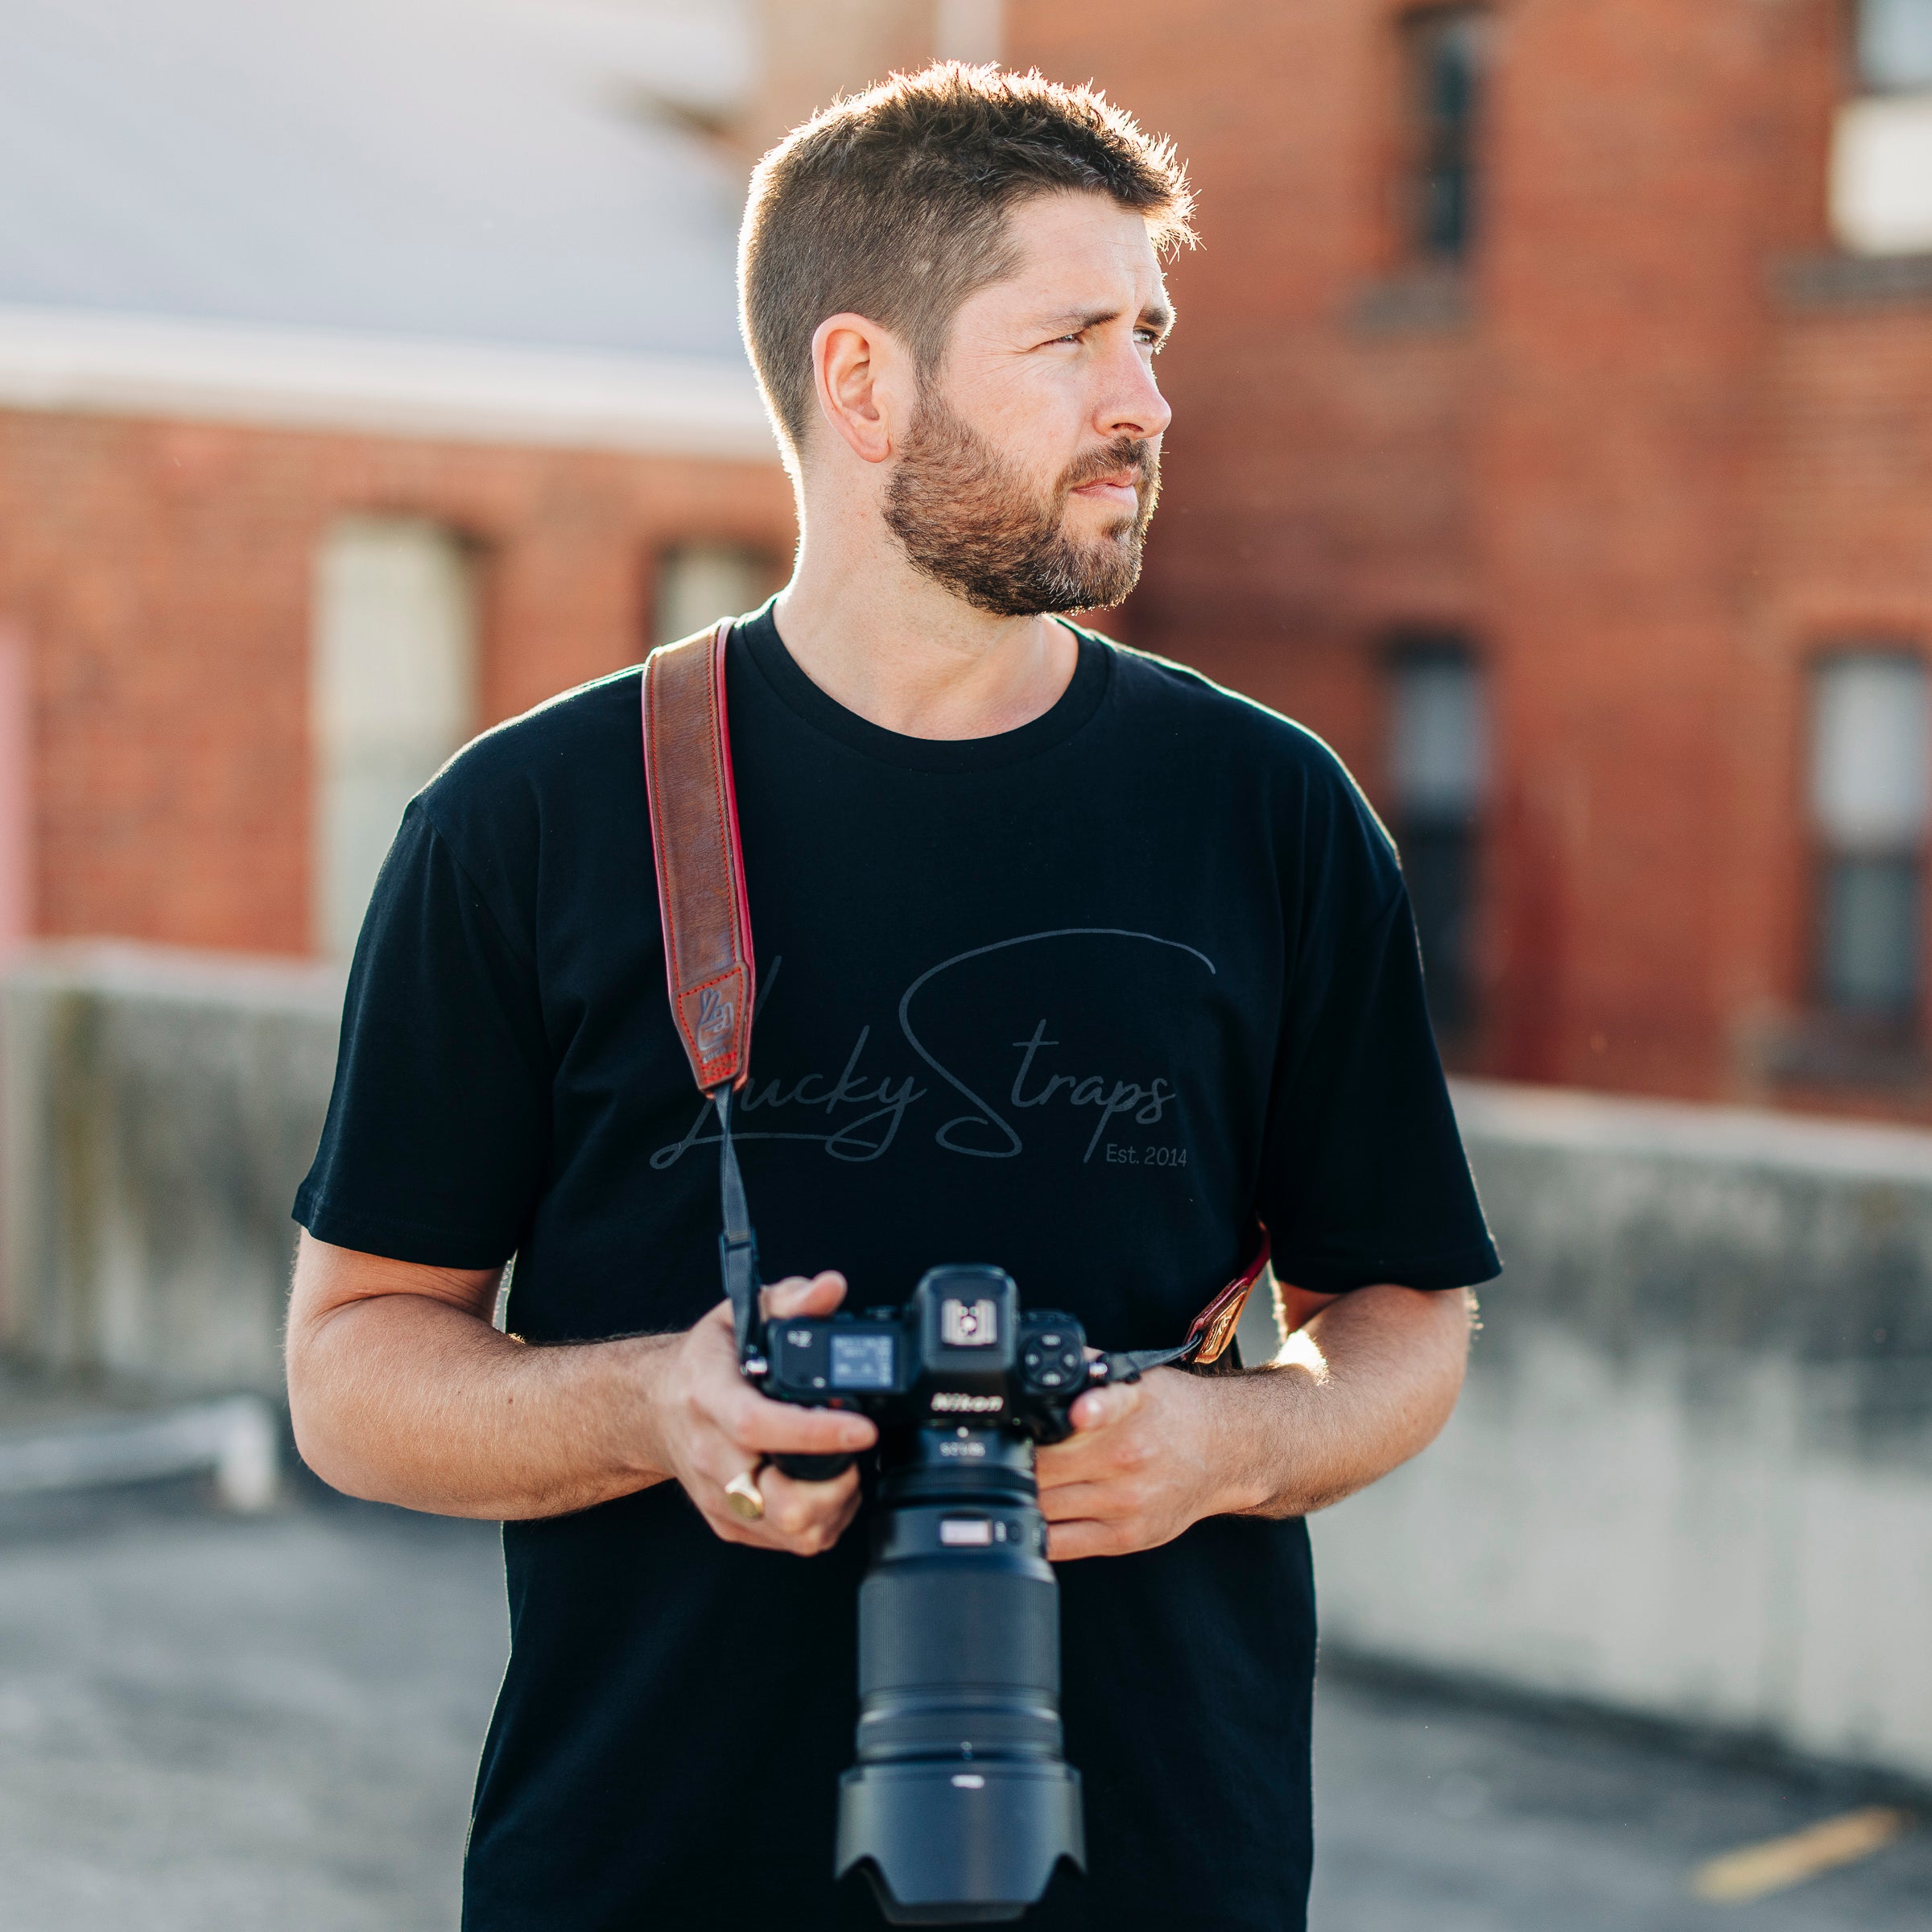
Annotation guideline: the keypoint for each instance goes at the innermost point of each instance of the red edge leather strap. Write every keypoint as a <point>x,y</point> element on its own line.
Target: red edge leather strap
<point>708,965</point>
<point>1214,1326</point>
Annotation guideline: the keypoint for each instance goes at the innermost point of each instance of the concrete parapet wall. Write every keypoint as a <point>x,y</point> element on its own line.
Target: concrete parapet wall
<point>1691,1475</point>
<point>157,1110</point>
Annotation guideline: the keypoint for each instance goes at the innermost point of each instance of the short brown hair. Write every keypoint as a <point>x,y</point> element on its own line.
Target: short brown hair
<point>893,205</point>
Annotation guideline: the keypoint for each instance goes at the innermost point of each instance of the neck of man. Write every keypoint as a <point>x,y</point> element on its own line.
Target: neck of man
<point>903,652</point>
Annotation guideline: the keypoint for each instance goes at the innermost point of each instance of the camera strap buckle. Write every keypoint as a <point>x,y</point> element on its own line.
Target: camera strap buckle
<point>1208,1340</point>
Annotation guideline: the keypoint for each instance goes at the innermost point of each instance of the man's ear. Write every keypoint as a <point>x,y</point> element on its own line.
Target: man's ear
<point>862,374</point>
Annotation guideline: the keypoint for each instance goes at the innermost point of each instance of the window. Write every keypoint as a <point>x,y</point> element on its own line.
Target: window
<point>699,583</point>
<point>1439,773</point>
<point>1445,50</point>
<point>1881,148</point>
<point>1894,45</point>
<point>393,695</point>
<point>1868,806</point>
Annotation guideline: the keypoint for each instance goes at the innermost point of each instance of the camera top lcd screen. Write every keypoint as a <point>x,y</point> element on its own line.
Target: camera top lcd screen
<point>861,1362</point>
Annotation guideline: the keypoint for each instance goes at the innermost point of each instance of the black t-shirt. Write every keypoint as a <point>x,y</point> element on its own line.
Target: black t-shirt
<point>1080,1000</point>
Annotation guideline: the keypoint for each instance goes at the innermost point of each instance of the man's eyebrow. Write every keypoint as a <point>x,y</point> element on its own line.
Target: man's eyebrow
<point>1155,315</point>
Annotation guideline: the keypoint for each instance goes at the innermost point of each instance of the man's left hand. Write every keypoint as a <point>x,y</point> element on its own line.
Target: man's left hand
<point>1363,1382</point>
<point>1146,1460</point>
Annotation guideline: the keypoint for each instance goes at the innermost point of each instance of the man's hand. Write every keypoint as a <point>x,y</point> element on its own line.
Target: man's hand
<point>1144,1462</point>
<point>402,1390</point>
<point>1363,1382</point>
<point>710,1425</point>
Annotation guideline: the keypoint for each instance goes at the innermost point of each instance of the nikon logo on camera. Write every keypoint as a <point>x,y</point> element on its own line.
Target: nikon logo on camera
<point>945,1403</point>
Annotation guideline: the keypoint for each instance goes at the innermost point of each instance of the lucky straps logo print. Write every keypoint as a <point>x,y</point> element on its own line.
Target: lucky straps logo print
<point>875,1105</point>
<point>985,1114</point>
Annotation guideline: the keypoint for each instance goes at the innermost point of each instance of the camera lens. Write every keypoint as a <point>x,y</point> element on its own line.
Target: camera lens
<point>960,1805</point>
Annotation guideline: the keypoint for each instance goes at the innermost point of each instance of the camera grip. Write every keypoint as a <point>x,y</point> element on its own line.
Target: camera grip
<point>813,1468</point>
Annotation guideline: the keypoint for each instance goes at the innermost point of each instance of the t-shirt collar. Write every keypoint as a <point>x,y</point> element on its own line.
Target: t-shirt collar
<point>780,671</point>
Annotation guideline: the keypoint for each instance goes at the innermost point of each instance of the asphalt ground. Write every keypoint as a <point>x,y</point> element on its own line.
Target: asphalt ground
<point>270,1724</point>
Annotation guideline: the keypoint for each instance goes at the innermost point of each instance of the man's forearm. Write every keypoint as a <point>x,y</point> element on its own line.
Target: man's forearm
<point>402,1391</point>
<point>403,1399</point>
<point>1365,1385</point>
<point>1360,1386</point>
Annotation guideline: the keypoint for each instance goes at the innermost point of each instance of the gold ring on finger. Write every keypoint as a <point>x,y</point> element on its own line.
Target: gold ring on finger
<point>744,1498</point>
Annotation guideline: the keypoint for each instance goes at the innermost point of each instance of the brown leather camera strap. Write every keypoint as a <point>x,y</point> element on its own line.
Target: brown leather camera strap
<point>694,836</point>
<point>708,967</point>
<point>712,977</point>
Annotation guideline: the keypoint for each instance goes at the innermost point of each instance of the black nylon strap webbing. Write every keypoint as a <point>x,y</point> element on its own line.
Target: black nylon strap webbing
<point>737,1245</point>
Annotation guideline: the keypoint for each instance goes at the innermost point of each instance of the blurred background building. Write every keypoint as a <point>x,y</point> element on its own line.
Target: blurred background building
<point>369,372</point>
<point>1553,433</point>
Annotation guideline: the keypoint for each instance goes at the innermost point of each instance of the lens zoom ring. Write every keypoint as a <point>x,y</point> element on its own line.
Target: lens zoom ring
<point>943,1627</point>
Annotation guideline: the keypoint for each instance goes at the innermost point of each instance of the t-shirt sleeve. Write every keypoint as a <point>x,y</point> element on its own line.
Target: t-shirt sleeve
<point>1364,1175</point>
<point>436,1140</point>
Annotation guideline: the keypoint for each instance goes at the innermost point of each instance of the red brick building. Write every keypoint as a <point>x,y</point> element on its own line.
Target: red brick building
<point>1555,380</point>
<point>161,576</point>
<point>357,390</point>
<point>1553,433</point>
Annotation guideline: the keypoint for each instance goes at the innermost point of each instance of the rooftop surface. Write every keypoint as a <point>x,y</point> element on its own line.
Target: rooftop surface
<point>272,1722</point>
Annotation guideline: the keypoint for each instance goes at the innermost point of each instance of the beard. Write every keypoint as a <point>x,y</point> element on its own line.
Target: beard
<point>968,520</point>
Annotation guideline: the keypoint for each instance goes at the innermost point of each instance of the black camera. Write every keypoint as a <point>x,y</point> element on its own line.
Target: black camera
<point>959,1351</point>
<point>961,1806</point>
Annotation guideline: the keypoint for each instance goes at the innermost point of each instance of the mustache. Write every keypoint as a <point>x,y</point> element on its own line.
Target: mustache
<point>1134,453</point>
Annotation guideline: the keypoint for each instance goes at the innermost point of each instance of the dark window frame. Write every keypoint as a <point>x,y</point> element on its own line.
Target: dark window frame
<point>1833,865</point>
<point>1444,63</point>
<point>1443,850</point>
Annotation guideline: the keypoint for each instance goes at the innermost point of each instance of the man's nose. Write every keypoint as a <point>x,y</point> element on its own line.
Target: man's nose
<point>1134,405</point>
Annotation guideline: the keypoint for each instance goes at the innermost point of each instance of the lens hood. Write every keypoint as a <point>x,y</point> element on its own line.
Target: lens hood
<point>958,1843</point>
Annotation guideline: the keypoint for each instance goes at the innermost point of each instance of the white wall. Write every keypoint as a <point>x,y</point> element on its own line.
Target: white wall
<point>1691,1475</point>
<point>157,1110</point>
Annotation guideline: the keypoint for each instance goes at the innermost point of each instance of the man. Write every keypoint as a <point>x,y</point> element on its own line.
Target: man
<point>1070,961</point>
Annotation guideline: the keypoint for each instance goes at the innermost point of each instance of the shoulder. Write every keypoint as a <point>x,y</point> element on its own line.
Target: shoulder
<point>554,777</point>
<point>585,741</point>
<point>1194,704</point>
<point>1277,764</point>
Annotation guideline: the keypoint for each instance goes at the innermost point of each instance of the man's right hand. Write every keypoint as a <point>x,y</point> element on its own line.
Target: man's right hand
<point>402,1390</point>
<point>709,1424</point>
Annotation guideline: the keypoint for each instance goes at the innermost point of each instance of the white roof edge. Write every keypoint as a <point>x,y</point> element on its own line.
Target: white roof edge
<point>100,363</point>
<point>1690,1131</point>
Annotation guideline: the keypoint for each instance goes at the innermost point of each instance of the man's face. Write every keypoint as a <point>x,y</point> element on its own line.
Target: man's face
<point>1033,462</point>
